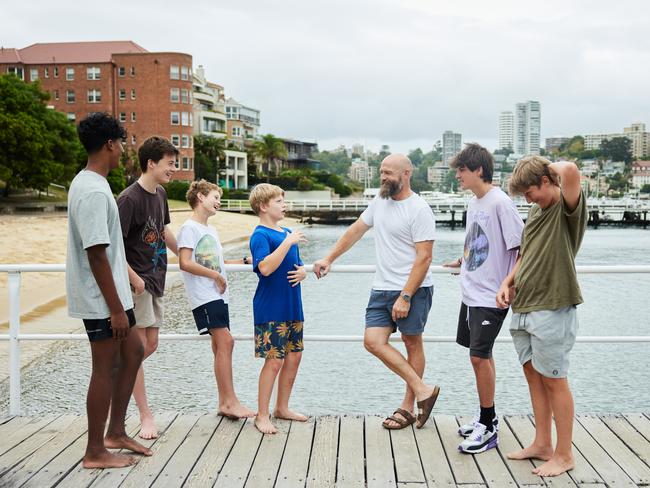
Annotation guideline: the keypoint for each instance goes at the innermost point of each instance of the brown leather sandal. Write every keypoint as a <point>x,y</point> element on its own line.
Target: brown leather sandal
<point>402,422</point>
<point>425,407</point>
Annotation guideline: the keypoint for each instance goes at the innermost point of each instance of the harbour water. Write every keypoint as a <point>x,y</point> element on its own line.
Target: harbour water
<point>344,378</point>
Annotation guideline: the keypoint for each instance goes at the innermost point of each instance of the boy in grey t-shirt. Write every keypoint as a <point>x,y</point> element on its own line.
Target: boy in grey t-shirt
<point>98,292</point>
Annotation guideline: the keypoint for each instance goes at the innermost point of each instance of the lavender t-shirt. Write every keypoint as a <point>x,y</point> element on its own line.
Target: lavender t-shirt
<point>493,236</point>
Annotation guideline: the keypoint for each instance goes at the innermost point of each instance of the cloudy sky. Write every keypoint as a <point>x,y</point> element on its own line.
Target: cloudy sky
<point>387,71</point>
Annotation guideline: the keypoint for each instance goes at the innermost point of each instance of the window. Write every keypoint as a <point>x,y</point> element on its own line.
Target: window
<point>71,116</point>
<point>94,96</point>
<point>93,73</point>
<point>122,94</point>
<point>184,73</point>
<point>15,71</point>
<point>46,72</point>
<point>69,96</point>
<point>122,116</point>
<point>132,93</point>
<point>133,74</point>
<point>132,116</point>
<point>177,163</point>
<point>176,118</point>
<point>56,71</point>
<point>176,140</point>
<point>56,94</point>
<point>236,131</point>
<point>186,162</point>
<point>185,118</point>
<point>174,95</point>
<point>33,74</point>
<point>173,73</point>
<point>184,97</point>
<point>69,74</point>
<point>121,71</point>
<point>133,140</point>
<point>191,120</point>
<point>186,141</point>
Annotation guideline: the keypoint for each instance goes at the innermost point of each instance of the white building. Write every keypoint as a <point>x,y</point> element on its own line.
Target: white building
<point>243,121</point>
<point>507,130</point>
<point>358,149</point>
<point>436,174</point>
<point>635,133</point>
<point>640,173</point>
<point>361,171</point>
<point>589,167</point>
<point>527,128</point>
<point>451,145</point>
<point>235,174</point>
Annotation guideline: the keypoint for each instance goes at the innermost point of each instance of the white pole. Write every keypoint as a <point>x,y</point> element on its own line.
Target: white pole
<point>14,343</point>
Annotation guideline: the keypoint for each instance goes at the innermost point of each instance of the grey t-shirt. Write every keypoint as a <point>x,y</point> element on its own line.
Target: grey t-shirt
<point>93,219</point>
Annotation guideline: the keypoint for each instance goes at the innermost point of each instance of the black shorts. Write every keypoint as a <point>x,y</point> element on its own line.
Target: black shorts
<point>211,315</point>
<point>100,329</point>
<point>478,328</point>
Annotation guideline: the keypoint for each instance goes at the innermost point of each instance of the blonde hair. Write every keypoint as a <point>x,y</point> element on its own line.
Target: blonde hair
<point>263,193</point>
<point>204,188</point>
<point>528,172</point>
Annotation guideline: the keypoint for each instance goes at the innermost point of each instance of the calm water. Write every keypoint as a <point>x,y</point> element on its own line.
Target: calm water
<point>343,377</point>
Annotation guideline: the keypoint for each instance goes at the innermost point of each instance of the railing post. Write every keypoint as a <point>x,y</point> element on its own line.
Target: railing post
<point>14,344</point>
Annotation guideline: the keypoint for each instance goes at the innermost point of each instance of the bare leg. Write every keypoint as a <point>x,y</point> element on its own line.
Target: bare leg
<point>104,362</point>
<point>268,374</point>
<point>285,384</point>
<point>149,337</point>
<point>222,347</point>
<point>561,399</point>
<point>485,380</point>
<point>131,353</point>
<point>542,446</point>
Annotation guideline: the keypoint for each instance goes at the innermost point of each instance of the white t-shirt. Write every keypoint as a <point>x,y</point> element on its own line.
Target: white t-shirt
<point>493,235</point>
<point>398,224</point>
<point>206,248</point>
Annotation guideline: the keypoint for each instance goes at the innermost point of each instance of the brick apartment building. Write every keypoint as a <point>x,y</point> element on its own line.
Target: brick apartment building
<point>150,93</point>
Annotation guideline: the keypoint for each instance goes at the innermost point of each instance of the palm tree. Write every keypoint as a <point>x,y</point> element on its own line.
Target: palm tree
<point>208,153</point>
<point>271,149</point>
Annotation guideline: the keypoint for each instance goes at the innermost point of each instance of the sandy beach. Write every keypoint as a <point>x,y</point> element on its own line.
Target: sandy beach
<point>42,239</point>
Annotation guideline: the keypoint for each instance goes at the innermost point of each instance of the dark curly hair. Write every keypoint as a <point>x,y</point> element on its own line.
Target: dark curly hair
<point>473,157</point>
<point>155,148</point>
<point>97,129</point>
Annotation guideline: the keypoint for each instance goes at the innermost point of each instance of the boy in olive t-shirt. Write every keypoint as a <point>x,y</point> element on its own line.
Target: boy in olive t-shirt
<point>544,321</point>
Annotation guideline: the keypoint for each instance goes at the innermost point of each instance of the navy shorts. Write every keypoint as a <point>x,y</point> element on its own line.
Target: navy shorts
<point>211,315</point>
<point>100,329</point>
<point>478,328</point>
<point>380,308</point>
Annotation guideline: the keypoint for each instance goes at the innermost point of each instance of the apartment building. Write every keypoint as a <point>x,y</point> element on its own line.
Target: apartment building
<point>636,133</point>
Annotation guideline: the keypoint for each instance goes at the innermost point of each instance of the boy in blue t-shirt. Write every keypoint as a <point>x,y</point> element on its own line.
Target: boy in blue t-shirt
<point>277,304</point>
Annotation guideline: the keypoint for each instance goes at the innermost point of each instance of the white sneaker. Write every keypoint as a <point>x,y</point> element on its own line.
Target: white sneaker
<point>467,429</point>
<point>480,440</point>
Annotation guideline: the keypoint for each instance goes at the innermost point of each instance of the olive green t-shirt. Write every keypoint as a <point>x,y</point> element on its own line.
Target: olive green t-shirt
<point>546,278</point>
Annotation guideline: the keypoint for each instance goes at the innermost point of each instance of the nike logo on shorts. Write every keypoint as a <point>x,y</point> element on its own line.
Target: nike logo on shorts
<point>486,322</point>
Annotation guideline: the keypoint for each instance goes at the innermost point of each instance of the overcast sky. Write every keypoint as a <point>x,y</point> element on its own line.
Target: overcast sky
<point>379,71</point>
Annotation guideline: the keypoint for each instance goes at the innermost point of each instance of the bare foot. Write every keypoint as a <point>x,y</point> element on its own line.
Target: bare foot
<point>107,460</point>
<point>555,466</point>
<point>236,411</point>
<point>264,425</point>
<point>148,428</point>
<point>289,415</point>
<point>532,452</point>
<point>126,442</point>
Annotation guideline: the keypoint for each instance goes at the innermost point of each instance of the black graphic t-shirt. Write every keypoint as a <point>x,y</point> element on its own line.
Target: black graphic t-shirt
<point>143,216</point>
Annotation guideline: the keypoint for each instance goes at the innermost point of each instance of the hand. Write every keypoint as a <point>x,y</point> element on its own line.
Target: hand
<point>296,237</point>
<point>120,325</point>
<point>138,285</point>
<point>220,282</point>
<point>322,267</point>
<point>400,309</point>
<point>453,264</point>
<point>505,295</point>
<point>297,276</point>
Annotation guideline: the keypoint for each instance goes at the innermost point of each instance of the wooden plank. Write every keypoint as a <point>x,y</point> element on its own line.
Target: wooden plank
<point>33,442</point>
<point>641,423</point>
<point>629,435</point>
<point>617,450</point>
<point>521,469</point>
<point>322,464</point>
<point>207,467</point>
<point>493,468</point>
<point>432,454</point>
<point>147,470</point>
<point>524,430</point>
<point>462,466</point>
<point>25,469</point>
<point>241,457</point>
<point>297,450</point>
<point>379,457</point>
<point>12,424</point>
<point>24,430</point>
<point>181,463</point>
<point>407,458</point>
<point>269,457</point>
<point>351,465</point>
<point>605,466</point>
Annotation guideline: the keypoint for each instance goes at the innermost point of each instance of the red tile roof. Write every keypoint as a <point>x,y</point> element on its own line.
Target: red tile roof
<point>9,55</point>
<point>76,52</point>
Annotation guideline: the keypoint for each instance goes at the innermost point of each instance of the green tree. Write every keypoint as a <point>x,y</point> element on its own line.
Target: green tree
<point>416,156</point>
<point>645,188</point>
<point>271,150</point>
<point>37,145</point>
<point>617,149</point>
<point>385,151</point>
<point>208,153</point>
<point>618,182</point>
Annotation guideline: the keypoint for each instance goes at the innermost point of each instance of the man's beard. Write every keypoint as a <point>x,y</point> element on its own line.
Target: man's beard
<point>390,188</point>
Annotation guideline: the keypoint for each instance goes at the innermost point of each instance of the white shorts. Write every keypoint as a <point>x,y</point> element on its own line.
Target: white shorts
<point>148,310</point>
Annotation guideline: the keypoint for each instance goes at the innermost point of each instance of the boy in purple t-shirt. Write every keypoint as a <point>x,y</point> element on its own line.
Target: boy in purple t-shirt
<point>492,239</point>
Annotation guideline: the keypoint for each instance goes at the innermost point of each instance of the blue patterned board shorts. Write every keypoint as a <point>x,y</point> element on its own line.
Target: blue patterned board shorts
<point>274,340</point>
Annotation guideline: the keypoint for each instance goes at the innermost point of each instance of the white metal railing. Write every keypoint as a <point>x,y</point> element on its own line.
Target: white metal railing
<point>14,337</point>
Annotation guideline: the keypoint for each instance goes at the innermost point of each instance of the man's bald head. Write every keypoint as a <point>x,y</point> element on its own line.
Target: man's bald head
<point>398,161</point>
<point>395,175</point>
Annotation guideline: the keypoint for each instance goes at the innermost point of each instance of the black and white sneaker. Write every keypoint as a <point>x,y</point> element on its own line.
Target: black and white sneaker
<point>480,440</point>
<point>467,429</point>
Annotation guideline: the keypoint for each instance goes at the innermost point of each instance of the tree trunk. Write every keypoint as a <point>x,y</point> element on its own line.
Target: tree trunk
<point>6,190</point>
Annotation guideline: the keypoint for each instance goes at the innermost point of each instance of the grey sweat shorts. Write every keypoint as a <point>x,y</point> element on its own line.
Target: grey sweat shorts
<point>546,338</point>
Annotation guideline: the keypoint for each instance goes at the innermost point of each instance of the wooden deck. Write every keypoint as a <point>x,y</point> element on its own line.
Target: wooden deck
<point>346,451</point>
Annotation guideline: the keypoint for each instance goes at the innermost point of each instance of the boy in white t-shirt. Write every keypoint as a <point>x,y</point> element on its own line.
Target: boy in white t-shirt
<point>203,270</point>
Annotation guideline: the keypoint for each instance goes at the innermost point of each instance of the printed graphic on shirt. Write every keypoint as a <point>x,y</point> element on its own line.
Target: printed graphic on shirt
<point>206,253</point>
<point>477,247</point>
<point>153,238</point>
